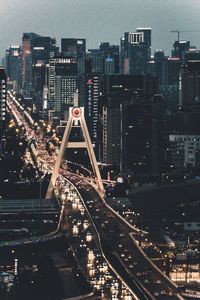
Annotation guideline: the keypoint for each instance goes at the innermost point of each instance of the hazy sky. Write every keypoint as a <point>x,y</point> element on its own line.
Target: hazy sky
<point>98,20</point>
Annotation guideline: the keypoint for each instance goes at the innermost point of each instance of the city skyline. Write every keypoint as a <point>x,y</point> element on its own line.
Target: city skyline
<point>98,22</point>
<point>99,150</point>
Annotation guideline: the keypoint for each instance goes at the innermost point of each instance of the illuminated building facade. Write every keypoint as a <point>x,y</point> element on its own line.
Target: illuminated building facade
<point>63,83</point>
<point>3,80</point>
<point>185,150</point>
<point>90,102</point>
<point>36,49</point>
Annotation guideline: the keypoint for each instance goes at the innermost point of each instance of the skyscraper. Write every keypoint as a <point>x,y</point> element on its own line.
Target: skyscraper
<point>90,91</point>
<point>189,84</point>
<point>14,66</point>
<point>3,79</point>
<point>135,51</point>
<point>131,123</point>
<point>73,47</point>
<point>27,40</point>
<point>35,49</point>
<point>63,82</point>
<point>104,60</point>
<point>179,48</point>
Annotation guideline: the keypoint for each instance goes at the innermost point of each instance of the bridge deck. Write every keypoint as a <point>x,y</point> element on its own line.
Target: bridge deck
<point>28,205</point>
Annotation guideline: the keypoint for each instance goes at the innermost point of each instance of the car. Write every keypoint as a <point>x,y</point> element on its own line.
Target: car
<point>158,281</point>
<point>131,267</point>
<point>138,274</point>
<point>163,293</point>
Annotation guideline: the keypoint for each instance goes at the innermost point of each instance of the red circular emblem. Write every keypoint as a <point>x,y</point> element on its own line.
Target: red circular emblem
<point>76,111</point>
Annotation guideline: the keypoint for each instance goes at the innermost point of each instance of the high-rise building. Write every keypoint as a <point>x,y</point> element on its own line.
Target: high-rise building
<point>110,58</point>
<point>191,54</point>
<point>14,66</point>
<point>63,83</point>
<point>135,51</point>
<point>40,72</point>
<point>73,47</point>
<point>97,60</point>
<point>179,48</point>
<point>27,41</point>
<point>131,123</point>
<point>155,65</point>
<point>35,49</point>
<point>169,84</point>
<point>189,83</point>
<point>3,79</point>
<point>104,60</point>
<point>89,95</point>
<point>185,150</point>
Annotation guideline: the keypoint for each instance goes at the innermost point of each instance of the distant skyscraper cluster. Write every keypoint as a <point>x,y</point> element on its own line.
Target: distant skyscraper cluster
<point>142,110</point>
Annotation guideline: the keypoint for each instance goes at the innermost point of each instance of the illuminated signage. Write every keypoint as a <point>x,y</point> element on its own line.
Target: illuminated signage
<point>38,48</point>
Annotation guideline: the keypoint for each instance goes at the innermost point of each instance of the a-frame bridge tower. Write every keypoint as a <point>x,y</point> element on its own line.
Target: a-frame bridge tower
<point>76,119</point>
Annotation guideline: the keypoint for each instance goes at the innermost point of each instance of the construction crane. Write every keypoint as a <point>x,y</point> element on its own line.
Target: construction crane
<point>180,31</point>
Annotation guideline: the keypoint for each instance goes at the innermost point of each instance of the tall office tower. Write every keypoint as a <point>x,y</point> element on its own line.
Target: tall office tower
<point>179,48</point>
<point>135,51</point>
<point>89,95</point>
<point>169,85</point>
<point>39,82</point>
<point>104,60</point>
<point>73,47</point>
<point>84,64</point>
<point>3,79</point>
<point>105,47</point>
<point>155,65</point>
<point>110,58</point>
<point>131,123</point>
<point>189,84</point>
<point>35,49</point>
<point>191,54</point>
<point>14,66</point>
<point>27,40</point>
<point>97,60</point>
<point>63,83</point>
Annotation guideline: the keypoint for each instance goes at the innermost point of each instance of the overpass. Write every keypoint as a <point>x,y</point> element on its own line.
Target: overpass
<point>117,241</point>
<point>121,249</point>
<point>14,206</point>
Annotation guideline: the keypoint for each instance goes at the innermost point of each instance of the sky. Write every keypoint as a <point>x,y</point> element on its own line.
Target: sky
<point>99,20</point>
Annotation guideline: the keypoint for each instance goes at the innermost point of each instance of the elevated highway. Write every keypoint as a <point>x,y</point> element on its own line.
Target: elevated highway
<point>117,239</point>
<point>121,249</point>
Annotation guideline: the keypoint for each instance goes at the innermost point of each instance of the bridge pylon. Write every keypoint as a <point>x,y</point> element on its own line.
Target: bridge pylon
<point>76,119</point>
